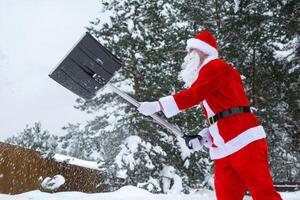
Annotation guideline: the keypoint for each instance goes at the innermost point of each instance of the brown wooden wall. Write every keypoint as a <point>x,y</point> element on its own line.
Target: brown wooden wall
<point>21,168</point>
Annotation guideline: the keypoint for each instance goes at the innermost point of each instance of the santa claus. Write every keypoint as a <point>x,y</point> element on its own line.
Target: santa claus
<point>235,137</point>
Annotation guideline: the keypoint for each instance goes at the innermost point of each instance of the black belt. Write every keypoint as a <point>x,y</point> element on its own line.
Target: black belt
<point>229,112</point>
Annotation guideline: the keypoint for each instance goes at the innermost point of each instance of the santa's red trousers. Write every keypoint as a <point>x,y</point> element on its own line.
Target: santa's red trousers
<point>247,168</point>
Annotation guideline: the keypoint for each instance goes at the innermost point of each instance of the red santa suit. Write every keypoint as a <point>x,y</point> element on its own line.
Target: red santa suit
<point>239,147</point>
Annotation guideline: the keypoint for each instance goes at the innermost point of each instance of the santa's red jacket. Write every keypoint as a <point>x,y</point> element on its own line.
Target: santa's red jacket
<point>218,88</point>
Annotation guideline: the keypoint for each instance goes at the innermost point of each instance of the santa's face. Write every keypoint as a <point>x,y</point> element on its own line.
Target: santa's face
<point>191,66</point>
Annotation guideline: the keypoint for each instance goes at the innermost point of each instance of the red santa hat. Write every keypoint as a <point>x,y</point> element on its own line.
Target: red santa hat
<point>205,42</point>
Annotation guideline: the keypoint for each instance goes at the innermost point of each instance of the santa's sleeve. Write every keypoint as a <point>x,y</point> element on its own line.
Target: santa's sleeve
<point>209,80</point>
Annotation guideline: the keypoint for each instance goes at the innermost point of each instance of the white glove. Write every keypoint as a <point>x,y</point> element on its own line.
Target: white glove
<point>206,141</point>
<point>149,108</point>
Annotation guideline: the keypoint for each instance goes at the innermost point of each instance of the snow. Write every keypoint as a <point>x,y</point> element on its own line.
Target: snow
<point>76,161</point>
<point>122,173</point>
<point>286,51</point>
<point>128,149</point>
<point>130,25</point>
<point>138,56</point>
<point>294,68</point>
<point>168,173</point>
<point>236,6</point>
<point>185,152</point>
<point>53,183</point>
<point>126,193</point>
<point>166,9</point>
<point>125,157</point>
<point>151,184</point>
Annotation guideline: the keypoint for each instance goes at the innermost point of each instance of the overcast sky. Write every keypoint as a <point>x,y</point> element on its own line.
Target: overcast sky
<point>35,35</point>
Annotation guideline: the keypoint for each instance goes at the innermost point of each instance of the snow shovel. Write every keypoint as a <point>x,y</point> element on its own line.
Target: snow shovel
<point>89,67</point>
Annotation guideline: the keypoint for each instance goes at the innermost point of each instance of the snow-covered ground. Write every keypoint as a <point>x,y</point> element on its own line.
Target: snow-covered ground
<point>126,193</point>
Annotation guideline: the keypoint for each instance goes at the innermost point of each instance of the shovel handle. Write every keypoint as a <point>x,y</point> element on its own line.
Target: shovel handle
<point>163,122</point>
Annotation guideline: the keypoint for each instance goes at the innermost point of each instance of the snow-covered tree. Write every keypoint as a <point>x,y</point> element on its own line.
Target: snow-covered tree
<point>75,142</point>
<point>33,137</point>
<point>150,39</point>
<point>149,36</point>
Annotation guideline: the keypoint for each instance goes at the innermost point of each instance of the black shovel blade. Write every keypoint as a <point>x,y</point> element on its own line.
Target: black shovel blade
<point>87,68</point>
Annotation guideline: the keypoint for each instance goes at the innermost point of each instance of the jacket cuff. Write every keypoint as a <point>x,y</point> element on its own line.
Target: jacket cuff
<point>169,105</point>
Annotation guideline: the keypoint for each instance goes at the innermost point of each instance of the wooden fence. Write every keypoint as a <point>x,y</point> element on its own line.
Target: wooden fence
<point>21,168</point>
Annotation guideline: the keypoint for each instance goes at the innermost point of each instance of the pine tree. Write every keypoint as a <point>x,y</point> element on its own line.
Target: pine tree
<point>37,139</point>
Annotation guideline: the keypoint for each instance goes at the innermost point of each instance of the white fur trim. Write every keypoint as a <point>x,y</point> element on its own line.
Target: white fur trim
<point>237,143</point>
<point>169,105</point>
<point>209,111</point>
<point>214,131</point>
<point>203,46</point>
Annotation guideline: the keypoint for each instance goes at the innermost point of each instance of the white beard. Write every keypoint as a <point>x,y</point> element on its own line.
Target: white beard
<point>190,69</point>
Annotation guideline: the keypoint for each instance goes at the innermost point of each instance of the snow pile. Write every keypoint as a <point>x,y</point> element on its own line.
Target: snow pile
<point>52,183</point>
<point>126,193</point>
<point>76,161</point>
